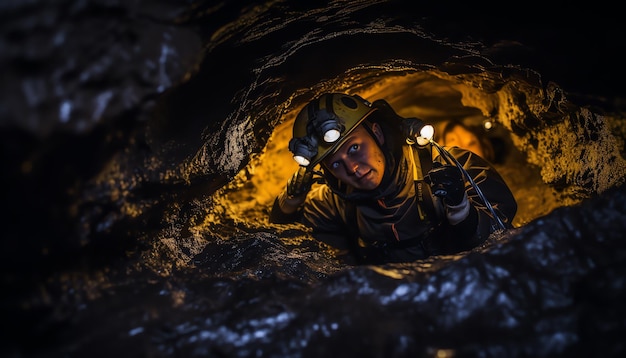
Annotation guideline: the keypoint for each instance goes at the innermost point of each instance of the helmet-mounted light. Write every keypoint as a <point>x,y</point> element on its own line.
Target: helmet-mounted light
<point>426,134</point>
<point>303,149</point>
<point>327,126</point>
<point>322,125</point>
<point>417,131</point>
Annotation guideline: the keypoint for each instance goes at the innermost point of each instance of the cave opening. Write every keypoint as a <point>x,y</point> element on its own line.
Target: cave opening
<point>423,94</point>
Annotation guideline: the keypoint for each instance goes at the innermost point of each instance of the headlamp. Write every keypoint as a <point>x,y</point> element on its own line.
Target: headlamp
<point>327,127</point>
<point>417,131</point>
<point>426,135</point>
<point>331,130</point>
<point>303,149</point>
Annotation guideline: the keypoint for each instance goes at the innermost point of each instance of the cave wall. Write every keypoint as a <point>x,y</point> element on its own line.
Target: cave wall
<point>134,138</point>
<point>118,120</point>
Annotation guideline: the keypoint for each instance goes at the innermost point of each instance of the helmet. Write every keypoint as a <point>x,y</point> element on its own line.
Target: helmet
<point>323,124</point>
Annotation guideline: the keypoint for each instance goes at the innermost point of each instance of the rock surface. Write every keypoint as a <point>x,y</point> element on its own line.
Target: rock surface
<point>143,143</point>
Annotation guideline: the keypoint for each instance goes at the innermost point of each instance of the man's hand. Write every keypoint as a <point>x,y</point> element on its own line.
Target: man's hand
<point>298,187</point>
<point>446,182</point>
<point>300,183</point>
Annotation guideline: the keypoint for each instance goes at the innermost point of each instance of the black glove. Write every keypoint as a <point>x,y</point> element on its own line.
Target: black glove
<point>300,183</point>
<point>446,182</point>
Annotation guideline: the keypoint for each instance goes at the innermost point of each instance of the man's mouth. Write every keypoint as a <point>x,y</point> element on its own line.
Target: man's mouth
<point>365,176</point>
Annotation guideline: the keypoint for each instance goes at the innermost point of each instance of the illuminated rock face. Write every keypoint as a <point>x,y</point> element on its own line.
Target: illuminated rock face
<point>143,146</point>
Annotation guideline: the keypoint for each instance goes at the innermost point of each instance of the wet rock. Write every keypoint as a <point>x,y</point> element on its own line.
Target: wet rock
<point>141,150</point>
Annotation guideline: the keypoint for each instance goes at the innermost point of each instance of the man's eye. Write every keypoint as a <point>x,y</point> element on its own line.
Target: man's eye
<point>335,165</point>
<point>353,148</point>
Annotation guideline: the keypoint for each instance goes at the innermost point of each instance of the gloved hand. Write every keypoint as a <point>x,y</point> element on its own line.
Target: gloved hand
<point>300,183</point>
<point>446,182</point>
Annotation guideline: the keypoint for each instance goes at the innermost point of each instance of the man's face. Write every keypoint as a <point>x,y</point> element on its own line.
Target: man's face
<point>359,162</point>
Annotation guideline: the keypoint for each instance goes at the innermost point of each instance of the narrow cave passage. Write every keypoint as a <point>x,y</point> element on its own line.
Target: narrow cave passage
<point>142,166</point>
<point>420,94</point>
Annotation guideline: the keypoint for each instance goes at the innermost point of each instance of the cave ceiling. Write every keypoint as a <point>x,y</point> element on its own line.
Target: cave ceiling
<point>133,133</point>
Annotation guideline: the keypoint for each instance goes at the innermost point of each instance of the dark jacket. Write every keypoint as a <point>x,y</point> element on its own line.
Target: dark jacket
<point>396,225</point>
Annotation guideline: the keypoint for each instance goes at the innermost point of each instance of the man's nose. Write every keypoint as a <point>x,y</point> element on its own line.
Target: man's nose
<point>353,168</point>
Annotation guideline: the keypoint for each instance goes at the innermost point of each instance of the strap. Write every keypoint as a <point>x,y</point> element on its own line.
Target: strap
<point>362,254</point>
<point>427,203</point>
<point>426,159</point>
<point>417,175</point>
<point>425,162</point>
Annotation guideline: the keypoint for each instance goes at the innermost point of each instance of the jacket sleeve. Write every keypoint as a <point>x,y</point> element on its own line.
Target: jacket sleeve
<point>321,209</point>
<point>277,216</point>
<point>323,212</point>
<point>477,227</point>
